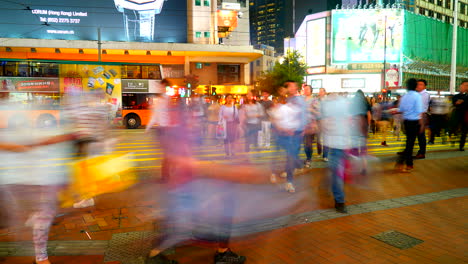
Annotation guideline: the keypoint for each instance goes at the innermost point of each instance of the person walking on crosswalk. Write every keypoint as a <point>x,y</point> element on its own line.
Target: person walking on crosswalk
<point>411,106</point>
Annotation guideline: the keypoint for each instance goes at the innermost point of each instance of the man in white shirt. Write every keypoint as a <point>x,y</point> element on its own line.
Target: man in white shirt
<point>426,98</point>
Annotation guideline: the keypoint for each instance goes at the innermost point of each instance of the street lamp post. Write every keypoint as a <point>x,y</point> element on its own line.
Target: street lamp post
<point>453,71</point>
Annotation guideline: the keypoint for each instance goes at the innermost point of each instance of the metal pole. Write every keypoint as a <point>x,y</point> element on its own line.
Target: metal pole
<point>453,71</point>
<point>294,16</point>
<point>99,43</point>
<point>385,55</point>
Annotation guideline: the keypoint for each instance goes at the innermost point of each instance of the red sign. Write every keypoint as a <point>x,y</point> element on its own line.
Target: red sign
<point>392,78</point>
<point>72,85</point>
<point>227,18</point>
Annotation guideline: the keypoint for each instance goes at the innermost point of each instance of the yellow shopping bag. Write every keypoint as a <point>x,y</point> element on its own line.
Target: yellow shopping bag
<point>98,175</point>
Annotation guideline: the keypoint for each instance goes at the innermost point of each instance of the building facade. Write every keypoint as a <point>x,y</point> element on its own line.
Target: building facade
<point>264,63</point>
<point>351,49</point>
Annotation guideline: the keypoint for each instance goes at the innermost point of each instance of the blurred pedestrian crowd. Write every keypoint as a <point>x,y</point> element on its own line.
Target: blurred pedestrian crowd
<point>293,120</point>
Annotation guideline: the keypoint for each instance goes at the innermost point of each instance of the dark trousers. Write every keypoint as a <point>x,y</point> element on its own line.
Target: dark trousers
<point>422,137</point>
<point>438,123</point>
<point>308,148</point>
<point>412,132</point>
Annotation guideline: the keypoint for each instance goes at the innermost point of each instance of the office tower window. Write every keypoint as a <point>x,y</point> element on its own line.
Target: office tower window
<point>207,34</point>
<point>198,34</point>
<point>198,2</point>
<point>206,2</point>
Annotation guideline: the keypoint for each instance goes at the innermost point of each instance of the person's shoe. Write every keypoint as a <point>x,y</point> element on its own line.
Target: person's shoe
<point>384,143</point>
<point>283,175</point>
<point>160,259</point>
<point>420,156</point>
<point>341,208</point>
<point>308,164</point>
<point>325,159</point>
<point>228,257</point>
<point>462,149</point>
<point>290,188</point>
<point>409,168</point>
<point>84,203</point>
<point>273,178</point>
<point>400,153</point>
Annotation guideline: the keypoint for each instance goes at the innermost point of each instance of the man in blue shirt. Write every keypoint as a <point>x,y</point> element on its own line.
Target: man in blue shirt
<point>411,106</point>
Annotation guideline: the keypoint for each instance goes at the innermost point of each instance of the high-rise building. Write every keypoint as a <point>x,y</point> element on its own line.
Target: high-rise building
<point>267,22</point>
<point>440,9</point>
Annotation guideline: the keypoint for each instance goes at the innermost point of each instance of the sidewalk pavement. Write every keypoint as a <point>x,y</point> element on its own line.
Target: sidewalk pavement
<point>435,214</point>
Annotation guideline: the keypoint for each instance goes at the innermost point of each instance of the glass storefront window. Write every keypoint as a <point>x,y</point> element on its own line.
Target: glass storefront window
<point>28,69</point>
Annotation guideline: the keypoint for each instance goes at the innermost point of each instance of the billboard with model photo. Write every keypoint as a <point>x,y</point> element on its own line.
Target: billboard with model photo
<point>358,35</point>
<point>119,20</point>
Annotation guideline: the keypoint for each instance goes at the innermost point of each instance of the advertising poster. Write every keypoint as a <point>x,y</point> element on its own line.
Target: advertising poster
<point>29,84</point>
<point>358,35</point>
<point>119,20</point>
<point>316,42</point>
<point>106,78</point>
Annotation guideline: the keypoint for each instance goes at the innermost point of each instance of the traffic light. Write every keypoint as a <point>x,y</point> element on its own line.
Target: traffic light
<point>213,91</point>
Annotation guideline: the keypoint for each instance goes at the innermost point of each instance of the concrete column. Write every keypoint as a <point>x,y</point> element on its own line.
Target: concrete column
<point>247,80</point>
<point>187,66</point>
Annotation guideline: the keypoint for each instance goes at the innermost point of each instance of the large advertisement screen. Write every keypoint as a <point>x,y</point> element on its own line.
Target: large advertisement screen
<point>118,20</point>
<point>316,42</point>
<point>358,35</point>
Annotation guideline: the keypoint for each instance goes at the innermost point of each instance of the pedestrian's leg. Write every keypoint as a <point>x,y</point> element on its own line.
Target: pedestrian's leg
<point>336,166</point>
<point>42,220</point>
<point>464,131</point>
<point>308,140</point>
<point>412,132</point>
<point>290,161</point>
<point>319,144</point>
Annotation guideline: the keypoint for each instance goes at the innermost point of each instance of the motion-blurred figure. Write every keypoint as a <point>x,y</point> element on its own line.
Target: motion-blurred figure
<point>426,99</point>
<point>230,115</point>
<point>213,117</point>
<point>290,122</point>
<point>250,116</point>
<point>439,108</point>
<point>460,114</point>
<point>266,132</point>
<point>170,128</point>
<point>311,129</point>
<point>411,106</point>
<point>337,127</point>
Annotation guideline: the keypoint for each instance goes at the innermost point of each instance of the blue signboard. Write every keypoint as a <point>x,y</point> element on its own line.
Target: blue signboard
<point>119,20</point>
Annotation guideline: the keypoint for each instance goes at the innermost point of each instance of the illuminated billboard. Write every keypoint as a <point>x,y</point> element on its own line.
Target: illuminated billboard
<point>316,42</point>
<point>119,20</point>
<point>358,35</point>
